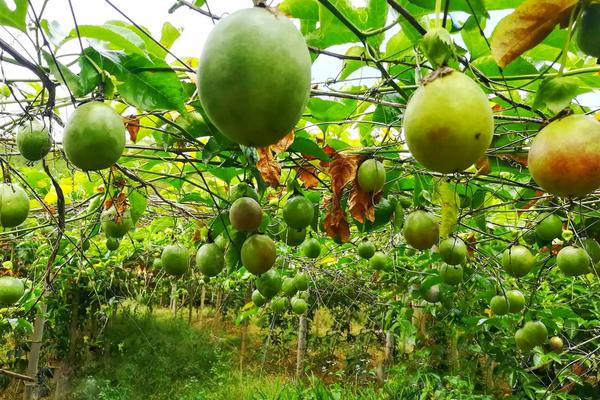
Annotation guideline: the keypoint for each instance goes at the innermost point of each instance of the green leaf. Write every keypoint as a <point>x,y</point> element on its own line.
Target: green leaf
<point>307,146</point>
<point>303,9</point>
<point>445,196</point>
<point>63,74</point>
<point>142,33</point>
<point>476,7</point>
<point>138,203</point>
<point>226,174</point>
<point>14,17</point>
<point>169,35</point>
<point>352,65</point>
<point>556,93</point>
<point>120,38</point>
<point>147,83</point>
<point>388,115</point>
<point>199,3</point>
<point>437,46</point>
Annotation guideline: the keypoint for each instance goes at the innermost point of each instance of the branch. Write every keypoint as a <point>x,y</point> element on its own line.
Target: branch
<point>16,375</point>
<point>37,70</point>
<point>407,16</point>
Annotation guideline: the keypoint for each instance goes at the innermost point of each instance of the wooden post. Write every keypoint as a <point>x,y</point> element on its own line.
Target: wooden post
<point>191,293</point>
<point>201,309</point>
<point>36,346</point>
<point>302,329</point>
<point>174,299</point>
<point>244,332</point>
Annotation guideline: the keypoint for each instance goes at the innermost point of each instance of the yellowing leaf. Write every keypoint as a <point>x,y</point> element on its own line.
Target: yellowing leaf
<point>527,26</point>
<point>445,196</point>
<point>268,166</point>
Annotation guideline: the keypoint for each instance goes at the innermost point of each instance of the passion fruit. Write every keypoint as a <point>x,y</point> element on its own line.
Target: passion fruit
<point>112,243</point>
<point>301,281</point>
<point>288,287</point>
<point>366,249</point>
<point>421,230</point>
<point>11,290</point>
<point>432,294</point>
<point>518,261</point>
<point>311,248</point>
<point>269,283</point>
<point>245,214</point>
<point>14,205</point>
<point>499,305</point>
<point>451,274</point>
<point>114,223</point>
<point>94,137</point>
<point>535,332</point>
<point>175,260</point>
<point>379,261</point>
<point>210,259</point>
<point>299,306</point>
<point>279,304</point>
<point>549,227</point>
<point>371,176</point>
<point>298,212</point>
<point>588,30</point>
<point>242,190</point>
<point>448,122</point>
<point>258,254</point>
<point>556,344</point>
<point>573,261</point>
<point>516,301</point>
<point>564,157</point>
<point>254,76</point>
<point>33,140</point>
<point>258,299</point>
<point>453,251</point>
<point>293,237</point>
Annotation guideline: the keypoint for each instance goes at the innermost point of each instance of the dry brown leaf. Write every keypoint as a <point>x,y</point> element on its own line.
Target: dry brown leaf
<point>336,225</point>
<point>483,166</point>
<point>362,204</point>
<point>308,176</point>
<point>284,143</point>
<point>268,166</point>
<point>527,26</point>
<point>132,123</point>
<point>517,158</point>
<point>342,170</point>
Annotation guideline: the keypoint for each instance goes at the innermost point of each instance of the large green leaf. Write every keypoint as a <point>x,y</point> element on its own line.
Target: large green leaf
<point>303,9</point>
<point>117,37</point>
<point>138,203</point>
<point>16,16</point>
<point>147,83</point>
<point>556,93</point>
<point>309,147</point>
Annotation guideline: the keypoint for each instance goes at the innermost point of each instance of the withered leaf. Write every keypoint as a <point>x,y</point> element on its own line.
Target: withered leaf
<point>268,166</point>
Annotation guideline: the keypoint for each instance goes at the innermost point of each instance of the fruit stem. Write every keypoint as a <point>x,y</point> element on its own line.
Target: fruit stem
<point>438,11</point>
<point>565,51</point>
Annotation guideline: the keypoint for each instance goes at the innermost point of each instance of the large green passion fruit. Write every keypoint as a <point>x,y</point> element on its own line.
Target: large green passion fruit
<point>254,76</point>
<point>175,260</point>
<point>564,157</point>
<point>448,122</point>
<point>210,259</point>
<point>94,137</point>
<point>14,205</point>
<point>33,140</point>
<point>11,290</point>
<point>114,223</point>
<point>421,230</point>
<point>258,254</point>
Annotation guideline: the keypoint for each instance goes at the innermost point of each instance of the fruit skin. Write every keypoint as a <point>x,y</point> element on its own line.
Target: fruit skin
<point>564,157</point>
<point>421,230</point>
<point>448,123</point>
<point>33,140</point>
<point>549,227</point>
<point>592,248</point>
<point>516,301</point>
<point>298,212</point>
<point>522,340</point>
<point>573,261</point>
<point>366,249</point>
<point>371,176</point>
<point>14,205</point>
<point>288,287</point>
<point>157,263</point>
<point>258,299</point>
<point>114,224</point>
<point>269,283</point>
<point>299,306</point>
<point>293,237</point>
<point>432,294</point>
<point>517,261</point>
<point>556,344</point>
<point>535,332</point>
<point>311,248</point>
<point>112,243</point>
<point>452,275</point>
<point>254,76</point>
<point>379,261</point>
<point>245,214</point>
<point>499,305</point>
<point>94,137</point>
<point>301,281</point>
<point>210,259</point>
<point>175,260</point>
<point>11,289</point>
<point>279,304</point>
<point>588,30</point>
<point>258,254</point>
<point>453,251</point>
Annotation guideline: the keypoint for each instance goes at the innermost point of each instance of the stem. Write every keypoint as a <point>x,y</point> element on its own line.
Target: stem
<point>565,51</point>
<point>438,11</point>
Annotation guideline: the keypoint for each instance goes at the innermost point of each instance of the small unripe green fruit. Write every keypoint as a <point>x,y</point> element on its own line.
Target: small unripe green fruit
<point>573,261</point>
<point>245,214</point>
<point>115,224</point>
<point>175,260</point>
<point>258,254</point>
<point>517,261</point>
<point>311,248</point>
<point>453,251</point>
<point>371,176</point>
<point>451,274</point>
<point>298,212</point>
<point>421,230</point>
<point>379,261</point>
<point>549,227</point>
<point>366,249</point>
<point>556,344</point>
<point>210,259</point>
<point>33,140</point>
<point>258,299</point>
<point>269,283</point>
<point>535,332</point>
<point>499,305</point>
<point>14,205</point>
<point>94,137</point>
<point>299,306</point>
<point>516,301</point>
<point>11,290</point>
<point>301,281</point>
<point>288,287</point>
